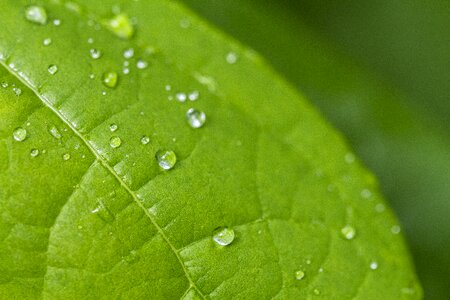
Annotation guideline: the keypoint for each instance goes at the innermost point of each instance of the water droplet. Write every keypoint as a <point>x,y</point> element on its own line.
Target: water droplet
<point>103,212</point>
<point>90,40</point>
<point>132,257</point>
<point>36,14</point>
<point>128,53</point>
<point>4,85</point>
<point>185,23</point>
<point>316,292</point>
<point>231,58</point>
<point>52,69</point>
<point>195,118</point>
<point>120,25</point>
<point>56,22</point>
<point>115,142</point>
<point>166,159</point>
<point>320,270</point>
<point>380,207</point>
<point>223,236</point>
<point>126,71</point>
<point>113,127</point>
<point>350,158</point>
<point>308,261</point>
<point>348,232</point>
<point>17,91</point>
<point>145,140</point>
<point>55,132</point>
<point>299,275</point>
<point>34,152</point>
<point>374,265</point>
<point>366,194</point>
<point>181,97</point>
<point>141,64</point>
<point>47,41</point>
<point>66,156</point>
<point>95,53</point>
<point>168,87</point>
<point>20,134</point>
<point>91,76</point>
<point>395,229</point>
<point>193,95</point>
<point>110,79</point>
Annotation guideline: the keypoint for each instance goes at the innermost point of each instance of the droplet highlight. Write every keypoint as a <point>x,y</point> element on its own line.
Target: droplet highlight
<point>348,232</point>
<point>52,69</point>
<point>195,118</point>
<point>145,140</point>
<point>166,159</point>
<point>115,142</point>
<point>223,236</point>
<point>20,134</point>
<point>36,14</point>
<point>299,275</point>
<point>34,152</point>
<point>110,79</point>
<point>95,53</point>
<point>66,156</point>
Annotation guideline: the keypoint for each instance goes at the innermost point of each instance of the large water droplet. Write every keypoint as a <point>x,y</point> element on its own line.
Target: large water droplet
<point>103,212</point>
<point>53,69</point>
<point>36,14</point>
<point>95,53</point>
<point>195,118</point>
<point>110,79</point>
<point>120,25</point>
<point>223,236</point>
<point>20,134</point>
<point>166,159</point>
<point>34,152</point>
<point>348,232</point>
<point>66,156</point>
<point>299,275</point>
<point>115,142</point>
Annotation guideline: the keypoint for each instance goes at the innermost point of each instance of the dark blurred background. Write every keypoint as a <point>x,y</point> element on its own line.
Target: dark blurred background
<point>379,70</point>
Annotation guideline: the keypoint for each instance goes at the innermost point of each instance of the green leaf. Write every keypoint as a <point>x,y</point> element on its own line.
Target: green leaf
<point>111,192</point>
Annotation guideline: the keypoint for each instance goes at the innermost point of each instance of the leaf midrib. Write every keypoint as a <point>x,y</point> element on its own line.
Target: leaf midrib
<point>110,169</point>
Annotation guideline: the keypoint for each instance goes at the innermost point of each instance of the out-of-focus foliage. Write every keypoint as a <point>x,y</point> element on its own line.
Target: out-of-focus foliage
<point>397,120</point>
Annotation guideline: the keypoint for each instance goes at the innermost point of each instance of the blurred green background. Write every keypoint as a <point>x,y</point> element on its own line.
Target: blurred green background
<point>379,70</point>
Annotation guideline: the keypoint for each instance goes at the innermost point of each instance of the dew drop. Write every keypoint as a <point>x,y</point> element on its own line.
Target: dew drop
<point>181,97</point>
<point>195,118</point>
<point>380,208</point>
<point>56,22</point>
<point>316,292</point>
<point>17,91</point>
<point>120,25</point>
<point>55,132</point>
<point>103,212</point>
<point>348,232</point>
<point>36,14</point>
<point>34,152</point>
<point>366,194</point>
<point>115,142</point>
<point>145,140</point>
<point>90,40</point>
<point>193,95</point>
<point>4,85</point>
<point>299,275</point>
<point>52,69</point>
<point>223,236</point>
<point>20,134</point>
<point>132,257</point>
<point>231,58</point>
<point>113,127</point>
<point>350,158</point>
<point>141,64</point>
<point>395,229</point>
<point>128,53</point>
<point>110,79</point>
<point>47,42</point>
<point>95,53</point>
<point>168,87</point>
<point>374,265</point>
<point>166,159</point>
<point>66,156</point>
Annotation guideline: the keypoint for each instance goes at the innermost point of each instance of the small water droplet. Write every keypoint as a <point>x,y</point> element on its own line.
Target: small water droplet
<point>231,58</point>
<point>308,261</point>
<point>193,95</point>
<point>145,140</point>
<point>66,156</point>
<point>90,40</point>
<point>299,275</point>
<point>126,71</point>
<point>4,85</point>
<point>20,134</point>
<point>47,42</point>
<point>366,193</point>
<point>348,232</point>
<point>395,229</point>
<point>36,14</point>
<point>55,132</point>
<point>120,25</point>
<point>115,142</point>
<point>316,292</point>
<point>181,97</point>
<point>320,270</point>
<point>132,257</point>
<point>103,212</point>
<point>380,208</point>
<point>91,76</point>
<point>17,91</point>
<point>128,53</point>
<point>113,127</point>
<point>166,159</point>
<point>141,64</point>
<point>185,23</point>
<point>110,79</point>
<point>350,158</point>
<point>223,236</point>
<point>53,69</point>
<point>374,265</point>
<point>95,53</point>
<point>195,118</point>
<point>56,22</point>
<point>34,152</point>
<point>168,87</point>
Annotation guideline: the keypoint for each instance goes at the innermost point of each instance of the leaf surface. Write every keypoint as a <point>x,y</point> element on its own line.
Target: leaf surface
<point>94,216</point>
